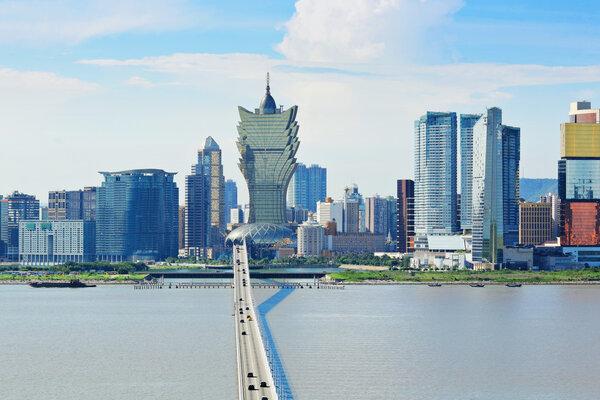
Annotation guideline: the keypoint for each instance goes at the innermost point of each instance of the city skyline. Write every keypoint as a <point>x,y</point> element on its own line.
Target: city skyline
<point>159,84</point>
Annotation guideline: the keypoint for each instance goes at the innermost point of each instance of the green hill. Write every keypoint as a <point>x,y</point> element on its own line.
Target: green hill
<point>532,189</point>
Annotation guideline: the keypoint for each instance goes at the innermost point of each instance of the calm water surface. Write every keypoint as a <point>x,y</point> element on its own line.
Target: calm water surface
<point>364,342</point>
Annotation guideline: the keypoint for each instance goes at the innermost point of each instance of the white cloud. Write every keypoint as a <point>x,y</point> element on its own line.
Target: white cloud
<point>15,81</point>
<point>139,81</point>
<point>73,21</point>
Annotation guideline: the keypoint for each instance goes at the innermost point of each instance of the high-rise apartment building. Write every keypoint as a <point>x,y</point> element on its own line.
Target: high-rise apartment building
<point>210,165</point>
<point>14,208</point>
<point>311,239</point>
<point>392,203</point>
<point>579,176</point>
<point>554,200</point>
<point>376,215</point>
<point>496,157</point>
<point>331,211</point>
<point>405,214</point>
<point>535,223</point>
<point>467,122</point>
<point>181,230</point>
<point>137,216</point>
<point>307,186</point>
<point>231,198</point>
<point>435,174</point>
<point>354,210</point>
<point>72,204</point>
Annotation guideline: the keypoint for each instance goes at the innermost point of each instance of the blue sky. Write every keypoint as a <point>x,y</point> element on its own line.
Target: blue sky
<point>88,86</point>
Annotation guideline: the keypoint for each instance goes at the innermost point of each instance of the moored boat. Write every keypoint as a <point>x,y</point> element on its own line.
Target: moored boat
<point>73,283</point>
<point>513,285</point>
<point>434,284</point>
<point>476,285</point>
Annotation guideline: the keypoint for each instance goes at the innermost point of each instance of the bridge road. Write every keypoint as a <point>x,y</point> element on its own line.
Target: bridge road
<point>255,380</point>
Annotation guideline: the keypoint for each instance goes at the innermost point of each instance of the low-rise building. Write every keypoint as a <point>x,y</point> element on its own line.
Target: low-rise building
<point>56,242</point>
<point>358,242</point>
<point>518,257</point>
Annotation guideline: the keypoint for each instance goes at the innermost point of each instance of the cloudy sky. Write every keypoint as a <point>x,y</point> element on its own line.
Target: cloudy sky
<point>102,85</point>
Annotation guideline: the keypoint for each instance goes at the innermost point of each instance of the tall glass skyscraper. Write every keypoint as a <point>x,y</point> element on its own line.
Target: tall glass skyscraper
<point>14,208</point>
<point>467,121</point>
<point>268,143</point>
<point>136,215</point>
<point>231,198</point>
<point>496,157</point>
<point>435,174</point>
<point>307,187</point>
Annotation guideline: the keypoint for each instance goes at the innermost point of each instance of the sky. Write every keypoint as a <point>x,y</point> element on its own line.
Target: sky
<point>108,85</point>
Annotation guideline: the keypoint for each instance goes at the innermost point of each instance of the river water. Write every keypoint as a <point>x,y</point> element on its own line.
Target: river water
<point>364,342</point>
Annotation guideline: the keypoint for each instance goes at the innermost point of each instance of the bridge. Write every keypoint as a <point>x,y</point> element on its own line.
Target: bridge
<point>255,378</point>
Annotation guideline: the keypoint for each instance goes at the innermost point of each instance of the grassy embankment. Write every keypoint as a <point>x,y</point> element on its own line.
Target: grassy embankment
<point>84,276</point>
<point>467,276</point>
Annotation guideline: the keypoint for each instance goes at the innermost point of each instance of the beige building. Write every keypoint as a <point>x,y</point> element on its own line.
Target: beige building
<point>311,238</point>
<point>535,223</point>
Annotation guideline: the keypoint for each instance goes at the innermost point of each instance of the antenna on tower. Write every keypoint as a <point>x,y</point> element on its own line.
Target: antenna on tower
<point>268,80</point>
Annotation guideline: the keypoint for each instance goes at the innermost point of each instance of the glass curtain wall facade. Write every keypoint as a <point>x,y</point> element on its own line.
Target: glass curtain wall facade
<point>496,157</point>
<point>268,143</point>
<point>231,198</point>
<point>210,165</point>
<point>137,216</point>
<point>307,186</point>
<point>467,121</point>
<point>435,174</point>
<point>14,208</point>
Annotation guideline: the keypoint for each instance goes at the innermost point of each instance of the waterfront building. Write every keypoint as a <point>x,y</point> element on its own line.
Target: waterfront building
<point>72,204</point>
<point>376,215</point>
<point>331,211</point>
<point>137,216</point>
<point>311,238</point>
<point>392,203</point>
<point>307,187</point>
<point>554,200</point>
<point>267,142</point>
<point>14,208</point>
<point>231,198</point>
<point>496,157</point>
<point>467,122</point>
<point>405,217</point>
<point>355,242</point>
<point>579,177</point>
<point>435,174</point>
<point>54,242</point>
<point>197,213</point>
<point>535,223</point>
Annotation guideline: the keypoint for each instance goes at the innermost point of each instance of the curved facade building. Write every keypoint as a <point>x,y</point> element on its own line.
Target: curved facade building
<point>268,143</point>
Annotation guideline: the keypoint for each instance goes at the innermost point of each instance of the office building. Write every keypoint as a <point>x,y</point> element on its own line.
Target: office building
<point>72,204</point>
<point>197,214</point>
<point>14,208</point>
<point>137,216</point>
<point>43,213</point>
<point>496,157</point>
<point>405,217</point>
<point>236,215</point>
<point>231,198</point>
<point>267,142</point>
<point>376,215</point>
<point>181,220</point>
<point>331,211</point>
<point>307,187</point>
<point>210,166</point>
<point>435,174</point>
<point>356,242</point>
<point>579,177</point>
<point>467,121</point>
<point>554,200</point>
<point>392,204</point>
<point>535,223</point>
<point>56,242</point>
<point>311,238</point>
<point>351,212</point>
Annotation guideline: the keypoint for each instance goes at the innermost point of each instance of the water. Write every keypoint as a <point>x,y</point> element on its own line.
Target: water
<point>364,342</point>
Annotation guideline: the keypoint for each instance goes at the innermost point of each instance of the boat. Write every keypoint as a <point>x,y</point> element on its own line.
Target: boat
<point>513,285</point>
<point>476,284</point>
<point>434,284</point>
<point>73,283</point>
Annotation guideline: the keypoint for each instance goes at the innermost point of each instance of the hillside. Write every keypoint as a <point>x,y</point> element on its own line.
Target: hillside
<point>532,189</point>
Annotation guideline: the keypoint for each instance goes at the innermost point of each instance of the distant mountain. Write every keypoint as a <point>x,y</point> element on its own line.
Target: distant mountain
<point>532,189</point>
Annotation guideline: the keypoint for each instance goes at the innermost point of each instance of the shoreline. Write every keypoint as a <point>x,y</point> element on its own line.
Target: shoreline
<point>88,281</point>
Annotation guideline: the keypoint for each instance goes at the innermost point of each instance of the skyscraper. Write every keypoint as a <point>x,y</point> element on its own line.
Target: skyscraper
<point>435,174</point>
<point>376,215</point>
<point>210,165</point>
<point>137,216</point>
<point>268,143</point>
<point>554,200</point>
<point>535,223</point>
<point>72,204</point>
<point>579,177</point>
<point>405,214</point>
<point>392,204</point>
<point>14,208</point>
<point>467,121</point>
<point>496,157</point>
<point>307,186</point>
<point>351,196</point>
<point>231,201</point>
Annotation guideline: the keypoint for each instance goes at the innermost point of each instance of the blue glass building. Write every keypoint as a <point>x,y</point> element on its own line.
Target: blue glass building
<point>137,216</point>
<point>496,157</point>
<point>231,198</point>
<point>435,174</point>
<point>467,121</point>
<point>307,186</point>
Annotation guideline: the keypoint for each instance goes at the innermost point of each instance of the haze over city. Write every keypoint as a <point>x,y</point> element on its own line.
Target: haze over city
<point>112,85</point>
